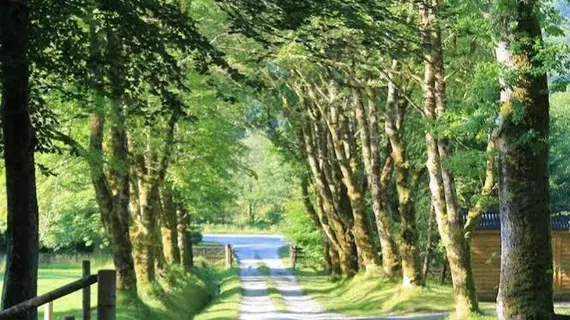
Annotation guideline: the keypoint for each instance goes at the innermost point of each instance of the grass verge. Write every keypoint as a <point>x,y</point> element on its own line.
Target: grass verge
<point>275,295</point>
<point>226,305</point>
<point>263,269</point>
<point>367,295</point>
<point>176,296</point>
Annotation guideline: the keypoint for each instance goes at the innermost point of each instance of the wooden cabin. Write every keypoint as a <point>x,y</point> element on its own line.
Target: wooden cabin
<point>486,255</point>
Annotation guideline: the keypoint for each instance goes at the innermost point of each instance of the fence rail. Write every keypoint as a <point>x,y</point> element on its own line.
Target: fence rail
<point>106,296</point>
<point>215,255</point>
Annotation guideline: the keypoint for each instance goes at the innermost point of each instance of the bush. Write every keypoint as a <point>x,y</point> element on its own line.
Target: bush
<point>301,230</point>
<point>195,236</point>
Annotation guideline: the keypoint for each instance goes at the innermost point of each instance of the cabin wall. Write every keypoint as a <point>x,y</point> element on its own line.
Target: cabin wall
<point>486,260</point>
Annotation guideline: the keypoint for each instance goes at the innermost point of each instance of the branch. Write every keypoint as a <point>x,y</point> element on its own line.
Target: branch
<point>76,147</point>
<point>402,92</point>
<point>476,211</point>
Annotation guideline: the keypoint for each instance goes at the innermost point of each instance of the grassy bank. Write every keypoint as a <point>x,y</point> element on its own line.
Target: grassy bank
<point>226,305</point>
<point>177,296</point>
<point>370,295</point>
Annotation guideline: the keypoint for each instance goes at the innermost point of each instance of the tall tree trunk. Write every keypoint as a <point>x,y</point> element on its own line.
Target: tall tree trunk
<point>395,118</point>
<point>334,259</point>
<point>442,186</point>
<point>112,191</point>
<point>378,180</point>
<point>337,126</point>
<point>20,279</point>
<point>151,175</point>
<point>184,238</point>
<point>112,214</point>
<point>525,290</point>
<point>429,244</point>
<point>169,227</point>
<point>333,217</point>
<point>158,237</point>
<point>145,237</point>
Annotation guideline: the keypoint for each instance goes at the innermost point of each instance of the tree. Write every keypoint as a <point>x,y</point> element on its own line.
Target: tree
<point>442,182</point>
<point>20,280</point>
<point>525,290</point>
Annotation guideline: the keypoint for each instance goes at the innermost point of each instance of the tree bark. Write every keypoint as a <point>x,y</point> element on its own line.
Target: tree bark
<point>151,175</point>
<point>442,184</point>
<point>395,119</point>
<point>169,227</point>
<point>184,238</point>
<point>20,279</point>
<point>525,290</point>
<point>429,249</point>
<point>378,180</point>
<point>145,237</point>
<point>112,211</point>
<point>112,191</point>
<point>333,218</point>
<point>337,125</point>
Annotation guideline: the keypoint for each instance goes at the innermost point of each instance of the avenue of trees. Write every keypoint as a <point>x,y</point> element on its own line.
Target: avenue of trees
<point>398,124</point>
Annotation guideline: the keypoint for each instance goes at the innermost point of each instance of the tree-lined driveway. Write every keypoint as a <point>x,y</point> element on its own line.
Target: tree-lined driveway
<point>253,250</point>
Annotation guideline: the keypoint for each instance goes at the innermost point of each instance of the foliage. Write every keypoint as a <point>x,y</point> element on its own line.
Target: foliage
<point>302,232</point>
<point>264,186</point>
<point>559,166</point>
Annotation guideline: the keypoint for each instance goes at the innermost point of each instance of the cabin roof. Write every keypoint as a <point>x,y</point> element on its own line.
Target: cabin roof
<point>490,220</point>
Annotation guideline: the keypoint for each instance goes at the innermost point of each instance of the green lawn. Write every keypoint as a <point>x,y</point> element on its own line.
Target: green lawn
<point>226,305</point>
<point>177,296</point>
<point>368,294</point>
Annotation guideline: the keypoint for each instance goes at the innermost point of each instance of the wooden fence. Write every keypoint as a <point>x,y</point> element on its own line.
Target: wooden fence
<point>106,297</point>
<point>216,255</point>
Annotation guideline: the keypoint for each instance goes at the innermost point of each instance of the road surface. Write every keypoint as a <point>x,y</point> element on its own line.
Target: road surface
<point>256,304</point>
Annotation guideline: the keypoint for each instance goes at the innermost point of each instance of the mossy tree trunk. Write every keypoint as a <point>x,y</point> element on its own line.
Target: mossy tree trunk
<point>331,108</point>
<point>378,180</point>
<point>333,218</point>
<point>442,185</point>
<point>112,188</point>
<point>20,279</point>
<point>169,227</point>
<point>525,290</point>
<point>342,145</point>
<point>395,118</point>
<point>184,238</point>
<point>151,173</point>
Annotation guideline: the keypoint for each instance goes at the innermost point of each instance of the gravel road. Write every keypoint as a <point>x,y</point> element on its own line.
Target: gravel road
<point>256,304</point>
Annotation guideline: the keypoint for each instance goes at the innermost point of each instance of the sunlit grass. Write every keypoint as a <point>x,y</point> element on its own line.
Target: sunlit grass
<point>176,296</point>
<point>263,269</point>
<point>226,305</point>
<point>275,295</point>
<point>368,294</point>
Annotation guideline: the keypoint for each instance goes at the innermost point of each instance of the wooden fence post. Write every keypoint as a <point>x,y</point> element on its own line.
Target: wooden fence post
<point>86,312</point>
<point>292,256</point>
<point>229,256</point>
<point>107,295</point>
<point>48,311</point>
